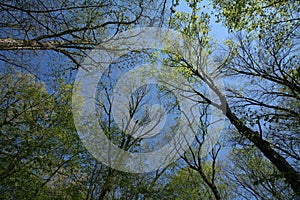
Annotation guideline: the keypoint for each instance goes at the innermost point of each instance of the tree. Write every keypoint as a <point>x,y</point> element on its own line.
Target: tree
<point>108,182</point>
<point>266,57</point>
<point>208,167</point>
<point>271,58</point>
<point>37,139</point>
<point>68,27</point>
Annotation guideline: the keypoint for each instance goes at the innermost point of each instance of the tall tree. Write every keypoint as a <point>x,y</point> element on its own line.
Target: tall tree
<point>69,27</point>
<point>266,56</point>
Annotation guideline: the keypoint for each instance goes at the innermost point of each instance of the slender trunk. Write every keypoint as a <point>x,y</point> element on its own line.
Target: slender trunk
<point>108,186</point>
<point>210,184</point>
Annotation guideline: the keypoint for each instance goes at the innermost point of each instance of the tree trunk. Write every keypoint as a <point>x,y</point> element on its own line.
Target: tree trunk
<point>291,176</point>
<point>16,44</point>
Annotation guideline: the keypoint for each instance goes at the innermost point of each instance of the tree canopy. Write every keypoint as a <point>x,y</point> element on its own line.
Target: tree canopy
<point>43,45</point>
